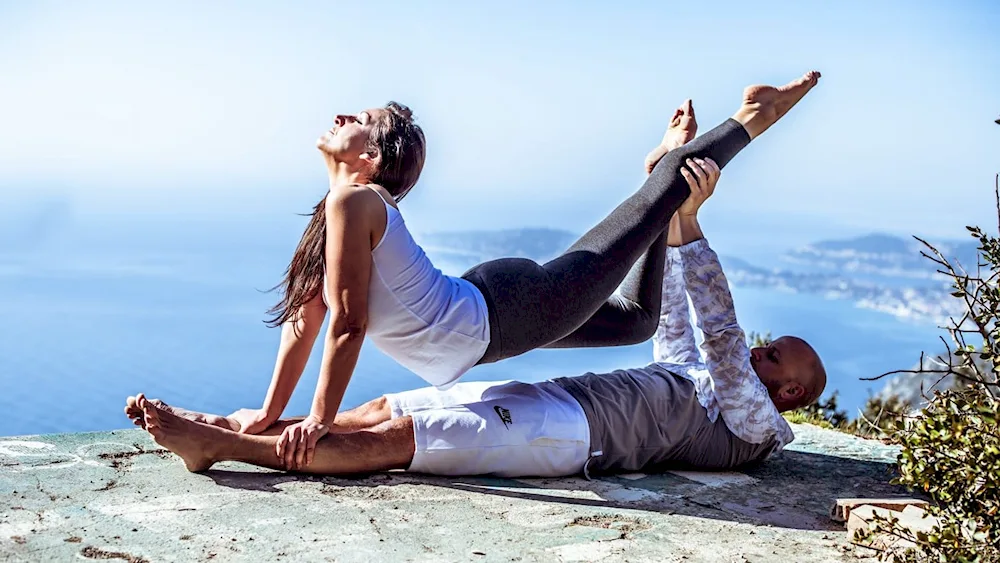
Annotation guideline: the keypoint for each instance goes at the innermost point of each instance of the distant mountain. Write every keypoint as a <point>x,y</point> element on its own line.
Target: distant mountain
<point>871,271</point>
<point>882,254</point>
<point>27,225</point>
<point>915,388</point>
<point>465,249</point>
<point>537,243</point>
<point>875,244</point>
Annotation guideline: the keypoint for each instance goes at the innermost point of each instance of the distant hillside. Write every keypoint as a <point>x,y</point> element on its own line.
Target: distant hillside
<point>874,252</point>
<point>881,254</point>
<point>915,389</point>
<point>875,271</point>
<point>27,226</point>
<point>465,249</point>
<point>874,244</point>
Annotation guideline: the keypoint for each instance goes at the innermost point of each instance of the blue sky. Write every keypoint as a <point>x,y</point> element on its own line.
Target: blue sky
<point>537,113</point>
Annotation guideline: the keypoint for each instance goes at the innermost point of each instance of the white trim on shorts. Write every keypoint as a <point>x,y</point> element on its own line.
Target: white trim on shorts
<point>507,428</point>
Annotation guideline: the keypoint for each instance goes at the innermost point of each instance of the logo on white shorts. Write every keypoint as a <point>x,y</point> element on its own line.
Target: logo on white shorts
<point>504,415</point>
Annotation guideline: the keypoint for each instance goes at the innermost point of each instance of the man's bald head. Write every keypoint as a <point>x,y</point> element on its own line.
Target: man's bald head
<point>791,370</point>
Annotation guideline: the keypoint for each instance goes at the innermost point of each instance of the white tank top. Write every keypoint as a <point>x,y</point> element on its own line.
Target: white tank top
<point>436,326</point>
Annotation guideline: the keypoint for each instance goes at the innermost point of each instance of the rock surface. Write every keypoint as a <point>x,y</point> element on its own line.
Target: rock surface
<point>118,496</point>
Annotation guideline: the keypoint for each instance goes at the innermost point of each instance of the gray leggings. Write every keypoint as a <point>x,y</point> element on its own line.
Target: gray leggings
<point>569,301</point>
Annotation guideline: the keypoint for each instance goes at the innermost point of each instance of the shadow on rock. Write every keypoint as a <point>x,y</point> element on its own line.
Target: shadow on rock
<point>268,481</point>
<point>794,490</point>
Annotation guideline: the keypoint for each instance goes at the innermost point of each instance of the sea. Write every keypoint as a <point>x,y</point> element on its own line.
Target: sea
<point>84,328</point>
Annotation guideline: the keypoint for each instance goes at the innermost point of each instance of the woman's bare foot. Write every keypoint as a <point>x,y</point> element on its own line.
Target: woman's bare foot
<point>192,441</point>
<point>682,129</point>
<point>763,106</point>
<point>134,412</point>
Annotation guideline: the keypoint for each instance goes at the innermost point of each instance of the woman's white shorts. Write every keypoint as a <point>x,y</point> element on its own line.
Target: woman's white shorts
<point>506,428</point>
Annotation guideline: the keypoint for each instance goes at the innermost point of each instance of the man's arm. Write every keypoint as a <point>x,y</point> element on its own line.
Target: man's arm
<point>743,400</point>
<point>674,339</point>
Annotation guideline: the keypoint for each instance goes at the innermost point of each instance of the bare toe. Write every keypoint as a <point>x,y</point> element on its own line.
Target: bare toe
<point>188,439</point>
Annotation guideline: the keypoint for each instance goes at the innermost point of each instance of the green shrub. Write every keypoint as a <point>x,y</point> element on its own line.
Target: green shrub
<point>950,450</point>
<point>823,413</point>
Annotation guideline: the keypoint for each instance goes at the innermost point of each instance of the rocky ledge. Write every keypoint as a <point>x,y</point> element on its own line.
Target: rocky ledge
<point>118,496</point>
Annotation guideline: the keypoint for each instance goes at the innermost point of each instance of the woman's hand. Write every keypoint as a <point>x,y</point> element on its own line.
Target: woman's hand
<point>297,444</point>
<point>252,421</point>
<point>702,178</point>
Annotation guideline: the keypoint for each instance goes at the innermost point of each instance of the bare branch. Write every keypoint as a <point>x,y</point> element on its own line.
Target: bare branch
<point>910,371</point>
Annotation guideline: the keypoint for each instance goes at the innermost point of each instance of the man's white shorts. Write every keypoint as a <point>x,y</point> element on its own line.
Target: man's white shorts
<point>506,428</point>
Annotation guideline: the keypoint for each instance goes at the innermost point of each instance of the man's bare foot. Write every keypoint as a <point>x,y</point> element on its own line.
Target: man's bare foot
<point>765,105</point>
<point>135,413</point>
<point>682,129</point>
<point>193,442</point>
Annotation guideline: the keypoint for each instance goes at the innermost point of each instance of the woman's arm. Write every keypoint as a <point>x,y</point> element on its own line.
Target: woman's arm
<point>348,269</point>
<point>298,335</point>
<point>349,261</point>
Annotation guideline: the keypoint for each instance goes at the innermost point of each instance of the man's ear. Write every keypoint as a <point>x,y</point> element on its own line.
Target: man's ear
<point>792,392</point>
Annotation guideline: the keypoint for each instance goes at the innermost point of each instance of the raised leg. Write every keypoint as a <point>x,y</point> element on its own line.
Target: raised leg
<point>535,305</point>
<point>631,316</point>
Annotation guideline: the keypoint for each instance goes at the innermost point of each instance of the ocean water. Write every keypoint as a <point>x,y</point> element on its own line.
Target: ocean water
<point>81,333</point>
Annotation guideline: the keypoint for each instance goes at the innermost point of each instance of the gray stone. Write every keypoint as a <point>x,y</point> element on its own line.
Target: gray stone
<point>117,495</point>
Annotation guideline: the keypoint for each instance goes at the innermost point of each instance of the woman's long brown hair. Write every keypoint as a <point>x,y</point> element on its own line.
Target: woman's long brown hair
<point>400,145</point>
